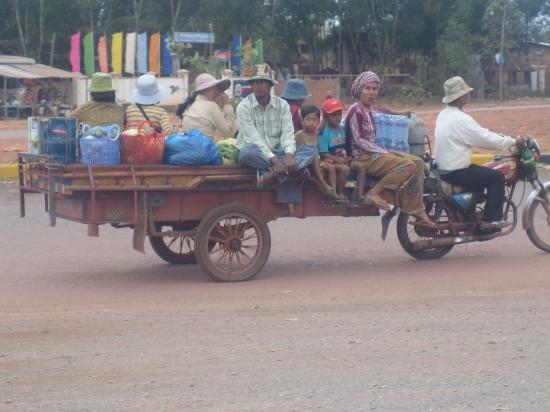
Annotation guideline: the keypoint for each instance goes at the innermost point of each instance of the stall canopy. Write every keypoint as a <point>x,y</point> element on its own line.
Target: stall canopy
<point>18,67</point>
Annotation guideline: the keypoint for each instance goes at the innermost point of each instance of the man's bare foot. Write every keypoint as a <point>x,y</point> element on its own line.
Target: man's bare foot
<point>376,200</point>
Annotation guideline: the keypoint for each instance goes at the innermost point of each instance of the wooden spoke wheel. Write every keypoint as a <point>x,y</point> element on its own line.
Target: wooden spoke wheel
<point>242,243</point>
<point>179,249</point>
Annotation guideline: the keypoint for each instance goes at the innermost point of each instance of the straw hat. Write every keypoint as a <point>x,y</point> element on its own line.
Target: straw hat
<point>101,82</point>
<point>206,81</point>
<point>455,87</point>
<point>263,72</point>
<point>295,89</point>
<point>148,91</point>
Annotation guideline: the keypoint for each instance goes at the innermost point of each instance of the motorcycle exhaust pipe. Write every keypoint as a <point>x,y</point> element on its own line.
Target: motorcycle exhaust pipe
<point>423,244</point>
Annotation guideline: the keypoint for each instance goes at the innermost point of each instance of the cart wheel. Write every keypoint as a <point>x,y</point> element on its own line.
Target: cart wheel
<point>177,250</point>
<point>243,243</point>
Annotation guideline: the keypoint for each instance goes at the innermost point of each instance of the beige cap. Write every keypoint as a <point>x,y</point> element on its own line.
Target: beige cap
<point>455,87</point>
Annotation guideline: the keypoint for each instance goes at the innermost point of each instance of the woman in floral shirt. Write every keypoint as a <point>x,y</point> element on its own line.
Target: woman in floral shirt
<point>403,175</point>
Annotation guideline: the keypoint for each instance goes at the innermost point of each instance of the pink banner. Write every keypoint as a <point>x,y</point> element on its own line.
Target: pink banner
<point>74,55</point>
<point>102,55</point>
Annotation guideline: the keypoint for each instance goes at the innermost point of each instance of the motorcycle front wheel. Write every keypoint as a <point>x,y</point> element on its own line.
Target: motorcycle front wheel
<point>538,222</point>
<point>407,233</point>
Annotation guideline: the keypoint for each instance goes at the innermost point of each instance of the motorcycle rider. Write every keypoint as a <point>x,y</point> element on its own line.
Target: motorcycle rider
<point>456,133</point>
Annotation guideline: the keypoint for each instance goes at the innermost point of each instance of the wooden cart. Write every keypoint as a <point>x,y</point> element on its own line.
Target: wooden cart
<point>215,216</point>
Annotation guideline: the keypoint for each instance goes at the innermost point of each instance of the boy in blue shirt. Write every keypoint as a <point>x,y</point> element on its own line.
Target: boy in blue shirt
<point>331,143</point>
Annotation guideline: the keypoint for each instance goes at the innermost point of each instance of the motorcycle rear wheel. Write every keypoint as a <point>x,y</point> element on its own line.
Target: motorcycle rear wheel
<point>407,233</point>
<point>539,224</point>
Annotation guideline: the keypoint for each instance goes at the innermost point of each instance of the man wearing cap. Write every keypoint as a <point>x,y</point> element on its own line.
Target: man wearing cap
<point>102,110</point>
<point>456,133</point>
<point>295,93</point>
<point>266,134</point>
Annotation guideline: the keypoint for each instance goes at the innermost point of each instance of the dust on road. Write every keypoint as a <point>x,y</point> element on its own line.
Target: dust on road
<point>337,321</point>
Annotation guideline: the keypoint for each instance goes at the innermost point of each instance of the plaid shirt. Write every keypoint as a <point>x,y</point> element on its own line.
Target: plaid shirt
<point>270,128</point>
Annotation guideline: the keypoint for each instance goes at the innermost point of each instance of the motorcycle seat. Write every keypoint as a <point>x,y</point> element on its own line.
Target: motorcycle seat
<point>444,187</point>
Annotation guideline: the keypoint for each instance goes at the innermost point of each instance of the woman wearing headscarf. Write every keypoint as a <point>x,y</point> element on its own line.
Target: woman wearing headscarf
<point>399,173</point>
<point>208,108</point>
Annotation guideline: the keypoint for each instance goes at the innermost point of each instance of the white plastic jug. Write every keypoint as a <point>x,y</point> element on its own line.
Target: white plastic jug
<point>417,130</point>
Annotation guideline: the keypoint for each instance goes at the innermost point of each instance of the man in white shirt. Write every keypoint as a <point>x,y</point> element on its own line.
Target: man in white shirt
<point>456,133</point>
<point>266,134</point>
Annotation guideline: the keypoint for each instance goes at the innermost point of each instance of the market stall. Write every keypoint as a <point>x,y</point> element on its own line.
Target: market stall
<point>29,88</point>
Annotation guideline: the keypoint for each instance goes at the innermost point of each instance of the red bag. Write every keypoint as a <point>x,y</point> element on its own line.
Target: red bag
<point>144,148</point>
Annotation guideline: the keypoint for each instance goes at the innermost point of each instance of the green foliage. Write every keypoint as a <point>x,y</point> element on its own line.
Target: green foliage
<point>432,38</point>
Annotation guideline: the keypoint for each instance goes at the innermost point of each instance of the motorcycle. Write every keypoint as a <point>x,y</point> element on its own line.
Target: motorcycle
<point>458,213</point>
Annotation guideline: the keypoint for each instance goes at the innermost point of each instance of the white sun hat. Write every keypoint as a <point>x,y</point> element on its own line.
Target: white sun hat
<point>455,87</point>
<point>148,91</point>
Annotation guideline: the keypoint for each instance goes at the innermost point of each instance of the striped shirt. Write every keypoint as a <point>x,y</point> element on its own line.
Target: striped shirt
<point>269,128</point>
<point>157,115</point>
<point>361,131</point>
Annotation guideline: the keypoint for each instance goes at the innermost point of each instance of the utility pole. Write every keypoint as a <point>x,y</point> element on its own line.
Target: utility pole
<point>502,33</point>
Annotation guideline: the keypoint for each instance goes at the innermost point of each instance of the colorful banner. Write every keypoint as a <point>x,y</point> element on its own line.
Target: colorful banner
<point>102,54</point>
<point>154,53</point>
<point>222,54</point>
<point>88,42</point>
<point>142,53</point>
<point>166,67</point>
<point>116,52</point>
<point>130,57</point>
<point>259,48</point>
<point>236,55</point>
<point>74,54</point>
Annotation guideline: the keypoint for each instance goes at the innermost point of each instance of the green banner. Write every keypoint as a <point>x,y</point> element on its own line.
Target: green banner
<point>88,42</point>
<point>259,48</point>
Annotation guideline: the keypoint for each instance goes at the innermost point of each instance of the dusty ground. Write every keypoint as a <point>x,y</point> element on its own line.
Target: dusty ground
<point>337,321</point>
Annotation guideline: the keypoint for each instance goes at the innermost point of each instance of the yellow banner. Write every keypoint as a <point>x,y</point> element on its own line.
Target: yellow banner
<point>116,52</point>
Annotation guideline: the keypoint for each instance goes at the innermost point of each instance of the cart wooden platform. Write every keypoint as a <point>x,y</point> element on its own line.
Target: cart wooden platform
<point>215,216</point>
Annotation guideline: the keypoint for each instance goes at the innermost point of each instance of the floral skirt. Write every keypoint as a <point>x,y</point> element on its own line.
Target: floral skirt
<point>401,177</point>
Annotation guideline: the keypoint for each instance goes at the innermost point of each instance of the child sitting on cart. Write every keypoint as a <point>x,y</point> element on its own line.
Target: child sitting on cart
<point>311,117</point>
<point>332,149</point>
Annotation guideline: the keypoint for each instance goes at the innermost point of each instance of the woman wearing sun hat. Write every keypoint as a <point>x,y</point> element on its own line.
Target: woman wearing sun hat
<point>146,97</point>
<point>208,108</point>
<point>102,110</point>
<point>295,93</point>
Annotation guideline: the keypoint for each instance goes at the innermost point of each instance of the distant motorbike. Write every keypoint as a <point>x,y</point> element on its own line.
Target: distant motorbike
<point>458,213</point>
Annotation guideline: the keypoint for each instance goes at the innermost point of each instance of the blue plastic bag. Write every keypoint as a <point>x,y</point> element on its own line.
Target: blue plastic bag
<point>191,149</point>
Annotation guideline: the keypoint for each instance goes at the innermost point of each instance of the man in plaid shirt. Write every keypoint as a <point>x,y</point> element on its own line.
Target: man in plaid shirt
<point>266,134</point>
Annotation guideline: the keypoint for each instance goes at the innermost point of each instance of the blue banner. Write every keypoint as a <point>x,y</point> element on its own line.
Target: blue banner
<point>236,55</point>
<point>166,53</point>
<point>142,59</point>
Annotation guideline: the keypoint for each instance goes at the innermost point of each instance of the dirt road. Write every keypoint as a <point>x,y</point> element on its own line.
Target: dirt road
<point>337,321</point>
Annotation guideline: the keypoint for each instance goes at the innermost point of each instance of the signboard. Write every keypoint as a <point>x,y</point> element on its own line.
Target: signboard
<point>223,54</point>
<point>241,89</point>
<point>192,37</point>
<point>499,58</point>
